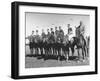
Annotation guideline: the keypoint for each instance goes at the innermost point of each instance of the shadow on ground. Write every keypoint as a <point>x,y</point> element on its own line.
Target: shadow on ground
<point>52,57</point>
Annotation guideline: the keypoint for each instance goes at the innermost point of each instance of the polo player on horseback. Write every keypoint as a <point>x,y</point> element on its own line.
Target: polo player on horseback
<point>66,47</point>
<point>81,43</point>
<point>52,41</point>
<point>31,42</point>
<point>80,30</point>
<point>59,43</point>
<point>56,39</point>
<point>47,42</point>
<point>61,34</point>
<point>43,42</point>
<point>70,33</point>
<point>71,39</point>
<point>37,40</point>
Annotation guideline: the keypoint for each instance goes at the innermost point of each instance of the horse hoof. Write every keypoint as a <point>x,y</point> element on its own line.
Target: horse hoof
<point>66,60</point>
<point>83,60</point>
<point>78,61</point>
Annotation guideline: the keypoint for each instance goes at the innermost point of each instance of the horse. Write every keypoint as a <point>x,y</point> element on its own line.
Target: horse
<point>31,43</point>
<point>80,43</point>
<point>37,45</point>
<point>65,47</point>
<point>87,44</point>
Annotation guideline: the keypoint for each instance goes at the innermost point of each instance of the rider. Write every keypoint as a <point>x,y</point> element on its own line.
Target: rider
<point>69,29</point>
<point>31,42</point>
<point>61,34</point>
<point>43,35</point>
<point>42,42</point>
<point>56,32</point>
<point>37,38</point>
<point>47,47</point>
<point>52,40</point>
<point>80,30</point>
<point>70,33</point>
<point>48,33</point>
<point>51,36</point>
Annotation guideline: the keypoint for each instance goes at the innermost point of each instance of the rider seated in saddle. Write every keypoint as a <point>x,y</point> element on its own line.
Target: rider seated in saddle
<point>48,34</point>
<point>52,38</point>
<point>69,29</point>
<point>42,43</point>
<point>37,40</point>
<point>56,32</point>
<point>80,30</point>
<point>61,34</point>
<point>66,43</point>
<point>70,33</point>
<point>31,42</point>
<point>43,34</point>
<point>47,42</point>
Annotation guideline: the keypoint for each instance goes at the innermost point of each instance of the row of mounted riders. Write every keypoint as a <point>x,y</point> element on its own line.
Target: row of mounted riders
<point>59,49</point>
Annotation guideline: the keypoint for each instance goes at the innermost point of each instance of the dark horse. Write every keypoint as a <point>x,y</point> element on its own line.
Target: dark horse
<point>80,43</point>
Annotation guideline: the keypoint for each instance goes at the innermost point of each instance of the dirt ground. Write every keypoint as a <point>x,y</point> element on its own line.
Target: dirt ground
<point>33,61</point>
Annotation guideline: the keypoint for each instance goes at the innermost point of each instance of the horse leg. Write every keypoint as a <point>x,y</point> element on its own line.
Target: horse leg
<point>55,51</point>
<point>58,54</point>
<point>61,52</point>
<point>36,51</point>
<point>41,51</point>
<point>31,51</point>
<point>50,51</point>
<point>88,51</point>
<point>72,49</point>
<point>78,53</point>
<point>83,53</point>
<point>68,54</point>
<point>64,52</point>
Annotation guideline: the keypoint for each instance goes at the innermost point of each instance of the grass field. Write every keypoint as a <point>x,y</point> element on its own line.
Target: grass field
<point>32,61</point>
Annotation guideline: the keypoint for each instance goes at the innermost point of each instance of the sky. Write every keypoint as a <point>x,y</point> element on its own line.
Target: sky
<point>38,21</point>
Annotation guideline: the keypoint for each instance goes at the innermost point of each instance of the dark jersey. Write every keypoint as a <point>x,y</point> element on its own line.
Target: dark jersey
<point>31,38</point>
<point>56,32</point>
<point>61,35</point>
<point>61,32</point>
<point>52,32</point>
<point>37,38</point>
<point>80,31</point>
<point>43,35</point>
<point>48,35</point>
<point>69,30</point>
<point>77,31</point>
<point>52,37</point>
